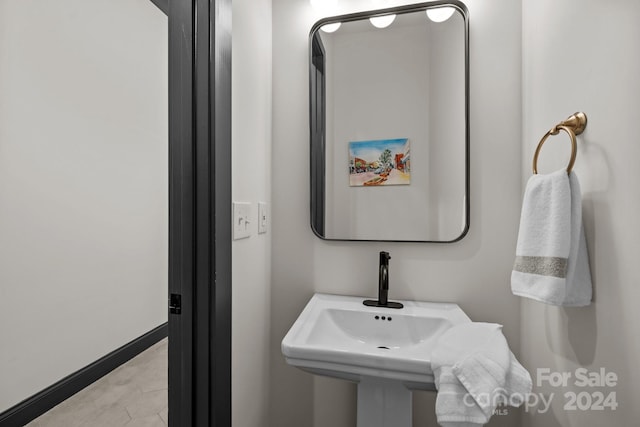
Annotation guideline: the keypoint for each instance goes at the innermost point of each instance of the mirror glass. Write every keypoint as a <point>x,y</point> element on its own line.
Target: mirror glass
<point>389,125</point>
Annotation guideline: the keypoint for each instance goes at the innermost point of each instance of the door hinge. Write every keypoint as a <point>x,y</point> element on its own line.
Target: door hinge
<point>175,303</point>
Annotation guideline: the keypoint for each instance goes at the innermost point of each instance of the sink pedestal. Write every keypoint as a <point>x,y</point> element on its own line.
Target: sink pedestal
<point>383,403</point>
<point>387,352</point>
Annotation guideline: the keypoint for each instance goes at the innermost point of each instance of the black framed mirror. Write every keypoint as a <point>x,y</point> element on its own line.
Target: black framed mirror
<point>389,124</point>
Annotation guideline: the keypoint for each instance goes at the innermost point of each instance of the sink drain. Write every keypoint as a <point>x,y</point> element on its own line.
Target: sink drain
<point>383,347</point>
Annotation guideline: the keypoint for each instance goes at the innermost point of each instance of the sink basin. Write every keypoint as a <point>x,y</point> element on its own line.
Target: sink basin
<point>340,337</point>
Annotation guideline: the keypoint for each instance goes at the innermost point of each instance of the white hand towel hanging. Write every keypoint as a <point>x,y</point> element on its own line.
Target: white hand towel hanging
<point>552,263</point>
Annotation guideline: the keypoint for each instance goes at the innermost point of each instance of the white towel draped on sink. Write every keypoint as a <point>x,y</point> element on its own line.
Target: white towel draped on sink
<point>474,372</point>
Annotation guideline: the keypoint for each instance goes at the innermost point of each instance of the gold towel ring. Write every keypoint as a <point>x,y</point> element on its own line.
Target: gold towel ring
<point>573,126</point>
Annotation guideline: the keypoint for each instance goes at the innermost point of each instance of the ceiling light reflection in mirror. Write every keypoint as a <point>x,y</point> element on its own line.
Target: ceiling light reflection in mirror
<point>440,14</point>
<point>330,28</point>
<point>326,7</point>
<point>382,21</point>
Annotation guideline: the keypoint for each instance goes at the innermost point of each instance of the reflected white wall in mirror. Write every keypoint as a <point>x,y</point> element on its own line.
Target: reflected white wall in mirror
<point>407,80</point>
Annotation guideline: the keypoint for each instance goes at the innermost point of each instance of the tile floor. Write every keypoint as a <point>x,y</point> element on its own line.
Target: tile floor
<point>132,395</point>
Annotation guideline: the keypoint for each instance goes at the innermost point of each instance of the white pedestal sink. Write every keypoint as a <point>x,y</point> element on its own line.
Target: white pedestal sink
<point>386,351</point>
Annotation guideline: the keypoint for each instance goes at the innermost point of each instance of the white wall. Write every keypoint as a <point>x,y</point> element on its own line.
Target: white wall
<point>251,133</point>
<point>582,55</point>
<point>83,184</point>
<point>473,272</point>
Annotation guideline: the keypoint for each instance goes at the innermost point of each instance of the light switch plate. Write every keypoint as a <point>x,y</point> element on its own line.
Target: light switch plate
<point>241,220</point>
<point>263,218</point>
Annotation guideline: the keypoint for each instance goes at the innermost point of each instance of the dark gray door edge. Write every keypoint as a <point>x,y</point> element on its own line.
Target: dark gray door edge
<point>181,210</point>
<point>200,212</point>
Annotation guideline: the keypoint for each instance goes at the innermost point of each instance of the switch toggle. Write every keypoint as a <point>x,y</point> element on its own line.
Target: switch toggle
<point>241,220</point>
<point>262,218</point>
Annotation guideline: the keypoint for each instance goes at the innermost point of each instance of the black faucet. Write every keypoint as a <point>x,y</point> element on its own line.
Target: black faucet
<point>383,285</point>
<point>383,278</point>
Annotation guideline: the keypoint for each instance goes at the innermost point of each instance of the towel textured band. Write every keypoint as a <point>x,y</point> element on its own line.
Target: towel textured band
<point>543,265</point>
